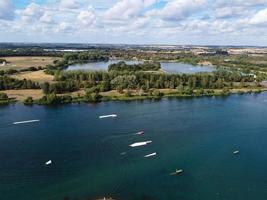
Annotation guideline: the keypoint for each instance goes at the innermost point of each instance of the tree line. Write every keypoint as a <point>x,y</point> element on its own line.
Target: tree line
<point>146,66</point>
<point>105,81</point>
<point>75,58</point>
<point>8,83</point>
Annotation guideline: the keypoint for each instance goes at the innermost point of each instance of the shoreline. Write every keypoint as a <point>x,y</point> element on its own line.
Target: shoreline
<point>76,99</point>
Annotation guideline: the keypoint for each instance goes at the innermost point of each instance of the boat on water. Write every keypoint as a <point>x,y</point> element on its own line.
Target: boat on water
<point>26,122</point>
<point>150,155</point>
<point>49,162</point>
<point>138,144</point>
<point>140,133</point>
<point>236,152</point>
<point>107,116</point>
<point>177,171</point>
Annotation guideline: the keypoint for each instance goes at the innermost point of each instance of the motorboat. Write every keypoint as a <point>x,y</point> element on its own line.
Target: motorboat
<point>137,144</point>
<point>150,155</point>
<point>177,171</point>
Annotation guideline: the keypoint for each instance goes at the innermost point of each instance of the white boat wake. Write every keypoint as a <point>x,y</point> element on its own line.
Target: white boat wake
<point>107,116</point>
<point>26,122</point>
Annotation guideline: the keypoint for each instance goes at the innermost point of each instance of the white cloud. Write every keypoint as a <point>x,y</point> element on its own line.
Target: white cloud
<point>243,3</point>
<point>150,2</point>
<point>47,18</point>
<point>32,12</point>
<point>86,18</point>
<point>260,17</point>
<point>6,10</point>
<point>69,4</point>
<point>151,20</point>
<point>125,9</point>
<point>64,27</point>
<point>180,9</point>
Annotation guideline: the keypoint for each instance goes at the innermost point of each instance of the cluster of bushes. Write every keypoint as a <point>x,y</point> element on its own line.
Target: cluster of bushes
<point>60,87</point>
<point>146,66</point>
<point>2,60</point>
<point>3,98</point>
<point>54,99</point>
<point>86,56</point>
<point>8,83</point>
<point>14,71</point>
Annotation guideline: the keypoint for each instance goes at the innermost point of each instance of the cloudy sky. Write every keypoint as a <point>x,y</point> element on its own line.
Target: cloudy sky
<point>210,22</point>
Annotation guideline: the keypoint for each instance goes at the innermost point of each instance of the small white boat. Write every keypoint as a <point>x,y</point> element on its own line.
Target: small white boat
<point>177,171</point>
<point>138,144</point>
<point>150,155</point>
<point>236,152</point>
<point>140,133</point>
<point>49,162</point>
<point>26,122</point>
<point>107,116</point>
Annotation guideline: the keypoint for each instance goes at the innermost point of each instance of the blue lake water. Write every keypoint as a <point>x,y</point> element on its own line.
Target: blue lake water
<point>92,158</point>
<point>169,67</point>
<point>182,68</point>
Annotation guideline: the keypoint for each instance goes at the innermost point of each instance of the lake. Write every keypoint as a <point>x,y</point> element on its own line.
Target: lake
<point>169,67</point>
<point>91,157</point>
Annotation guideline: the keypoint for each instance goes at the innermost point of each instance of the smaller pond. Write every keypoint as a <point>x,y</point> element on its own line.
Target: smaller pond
<point>182,68</point>
<point>169,67</point>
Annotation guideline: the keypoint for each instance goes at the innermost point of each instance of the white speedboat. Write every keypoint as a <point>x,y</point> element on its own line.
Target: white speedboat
<point>138,144</point>
<point>140,133</point>
<point>236,152</point>
<point>107,116</point>
<point>49,162</point>
<point>177,171</point>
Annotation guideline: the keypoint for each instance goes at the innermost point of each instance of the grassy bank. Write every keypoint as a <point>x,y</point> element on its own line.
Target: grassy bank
<point>30,97</point>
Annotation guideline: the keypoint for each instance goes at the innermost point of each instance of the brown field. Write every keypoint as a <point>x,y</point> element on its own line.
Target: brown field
<point>111,93</point>
<point>38,76</point>
<point>23,62</point>
<point>20,95</point>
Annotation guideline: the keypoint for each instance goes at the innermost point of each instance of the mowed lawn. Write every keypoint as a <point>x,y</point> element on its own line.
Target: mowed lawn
<point>23,62</point>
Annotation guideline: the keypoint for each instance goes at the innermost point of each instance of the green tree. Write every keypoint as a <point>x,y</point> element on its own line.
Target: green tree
<point>28,101</point>
<point>45,87</point>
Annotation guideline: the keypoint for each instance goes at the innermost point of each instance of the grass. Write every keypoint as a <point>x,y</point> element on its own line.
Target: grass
<point>20,95</point>
<point>37,76</point>
<point>24,62</point>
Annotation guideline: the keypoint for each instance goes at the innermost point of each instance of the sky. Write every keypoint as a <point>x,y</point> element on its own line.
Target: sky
<point>176,22</point>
